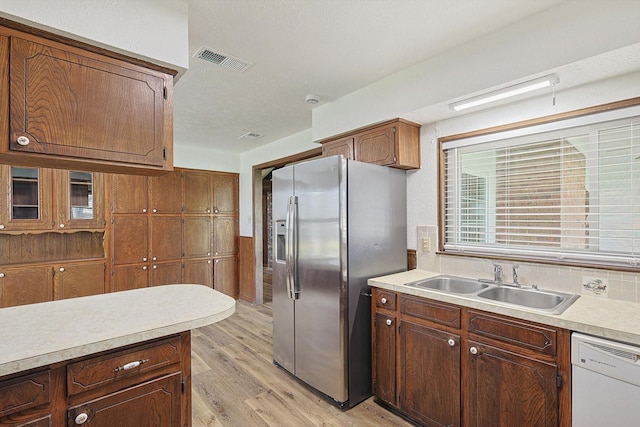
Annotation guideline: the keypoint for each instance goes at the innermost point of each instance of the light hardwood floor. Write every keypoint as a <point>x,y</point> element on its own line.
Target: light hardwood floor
<point>235,382</point>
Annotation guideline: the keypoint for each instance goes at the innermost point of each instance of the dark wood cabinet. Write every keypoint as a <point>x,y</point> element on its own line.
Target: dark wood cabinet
<point>198,271</point>
<point>166,273</point>
<point>430,374</point>
<point>130,239</point>
<point>197,237</point>
<point>394,143</point>
<point>225,276</point>
<point>384,357</point>
<point>166,237</point>
<point>20,285</point>
<point>225,236</point>
<point>128,194</point>
<point>27,202</point>
<point>166,193</point>
<point>145,384</point>
<point>73,108</point>
<point>225,193</point>
<point>78,279</point>
<point>80,200</point>
<point>456,366</point>
<point>509,389</point>
<point>198,192</point>
<point>127,277</point>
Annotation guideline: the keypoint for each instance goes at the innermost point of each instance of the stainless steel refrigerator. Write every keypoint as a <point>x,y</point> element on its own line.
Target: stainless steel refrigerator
<point>337,222</point>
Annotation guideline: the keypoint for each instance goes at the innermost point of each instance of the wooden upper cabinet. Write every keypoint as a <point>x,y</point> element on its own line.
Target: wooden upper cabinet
<point>225,194</point>
<point>26,202</point>
<point>128,194</point>
<point>198,192</point>
<point>166,193</point>
<point>73,108</point>
<point>80,200</point>
<point>225,236</point>
<point>197,237</point>
<point>342,146</point>
<point>394,143</point>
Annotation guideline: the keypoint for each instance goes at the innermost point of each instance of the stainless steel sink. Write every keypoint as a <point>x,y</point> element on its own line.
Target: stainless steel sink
<point>451,284</point>
<point>547,301</point>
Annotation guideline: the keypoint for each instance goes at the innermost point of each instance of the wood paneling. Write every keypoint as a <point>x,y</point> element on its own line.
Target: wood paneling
<point>246,273</point>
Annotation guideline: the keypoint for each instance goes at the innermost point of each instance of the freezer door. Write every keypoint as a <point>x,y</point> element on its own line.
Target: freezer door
<point>283,306</point>
<point>320,332</point>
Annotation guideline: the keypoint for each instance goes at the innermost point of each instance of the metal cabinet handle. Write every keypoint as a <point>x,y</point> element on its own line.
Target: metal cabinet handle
<point>81,418</point>
<point>383,300</point>
<point>451,342</point>
<point>473,350</point>
<point>23,140</point>
<point>389,322</point>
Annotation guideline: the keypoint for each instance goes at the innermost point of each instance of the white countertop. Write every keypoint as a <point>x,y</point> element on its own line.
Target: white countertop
<point>603,317</point>
<point>41,334</point>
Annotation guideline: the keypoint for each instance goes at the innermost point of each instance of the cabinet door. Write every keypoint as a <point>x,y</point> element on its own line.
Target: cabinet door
<point>225,236</point>
<point>127,277</point>
<point>80,199</point>
<point>225,276</point>
<point>376,146</point>
<point>152,404</point>
<point>75,104</point>
<point>166,238</point>
<point>78,280</point>
<point>507,389</point>
<point>198,272</point>
<point>430,375</point>
<point>25,285</point>
<point>130,244</point>
<point>166,273</point>
<point>198,192</point>
<point>166,193</point>
<point>384,358</point>
<point>28,198</point>
<point>225,194</point>
<point>128,194</point>
<point>196,237</point>
<point>342,146</point>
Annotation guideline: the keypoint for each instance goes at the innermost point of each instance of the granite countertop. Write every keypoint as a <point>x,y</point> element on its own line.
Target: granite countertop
<point>603,317</point>
<point>41,334</point>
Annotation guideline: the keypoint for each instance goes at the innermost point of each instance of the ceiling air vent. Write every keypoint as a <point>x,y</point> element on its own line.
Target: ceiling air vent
<point>225,61</point>
<point>250,135</point>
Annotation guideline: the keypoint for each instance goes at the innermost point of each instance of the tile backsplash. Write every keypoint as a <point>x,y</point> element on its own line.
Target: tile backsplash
<point>602,283</point>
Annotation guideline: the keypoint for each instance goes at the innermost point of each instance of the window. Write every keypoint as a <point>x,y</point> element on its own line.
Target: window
<point>566,191</point>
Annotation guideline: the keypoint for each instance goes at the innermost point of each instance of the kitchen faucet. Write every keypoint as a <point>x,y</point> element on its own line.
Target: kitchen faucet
<point>497,273</point>
<point>515,275</point>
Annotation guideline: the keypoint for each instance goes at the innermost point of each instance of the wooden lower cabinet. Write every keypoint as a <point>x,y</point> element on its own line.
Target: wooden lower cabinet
<point>127,277</point>
<point>199,271</point>
<point>105,389</point>
<point>167,273</point>
<point>78,279</point>
<point>25,285</point>
<point>444,365</point>
<point>433,399</point>
<point>225,276</point>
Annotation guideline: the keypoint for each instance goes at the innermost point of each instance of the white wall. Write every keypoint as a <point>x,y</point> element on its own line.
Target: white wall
<point>570,32</point>
<point>207,159</point>
<point>114,25</point>
<point>285,147</point>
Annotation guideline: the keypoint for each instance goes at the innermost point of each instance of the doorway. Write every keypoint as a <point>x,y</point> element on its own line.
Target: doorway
<point>262,225</point>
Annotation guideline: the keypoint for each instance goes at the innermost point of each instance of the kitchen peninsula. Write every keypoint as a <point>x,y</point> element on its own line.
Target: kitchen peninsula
<point>87,360</point>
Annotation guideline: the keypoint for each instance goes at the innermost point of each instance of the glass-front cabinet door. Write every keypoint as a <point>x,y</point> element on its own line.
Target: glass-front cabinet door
<point>26,200</point>
<point>79,196</point>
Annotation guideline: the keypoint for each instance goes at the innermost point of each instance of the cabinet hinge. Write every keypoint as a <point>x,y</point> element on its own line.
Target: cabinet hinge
<point>559,381</point>
<point>183,383</point>
<point>164,153</point>
<point>164,92</point>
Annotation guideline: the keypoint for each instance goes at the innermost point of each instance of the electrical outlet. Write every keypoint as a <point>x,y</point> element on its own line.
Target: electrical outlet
<point>595,286</point>
<point>426,244</point>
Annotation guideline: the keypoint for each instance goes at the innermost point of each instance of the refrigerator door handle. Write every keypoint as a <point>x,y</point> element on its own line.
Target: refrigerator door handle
<point>291,247</point>
<point>295,285</point>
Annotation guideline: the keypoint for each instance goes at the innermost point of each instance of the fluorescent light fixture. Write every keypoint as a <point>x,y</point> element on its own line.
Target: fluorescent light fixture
<point>507,92</point>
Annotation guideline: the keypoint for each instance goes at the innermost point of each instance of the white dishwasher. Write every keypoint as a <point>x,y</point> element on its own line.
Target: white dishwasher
<point>605,382</point>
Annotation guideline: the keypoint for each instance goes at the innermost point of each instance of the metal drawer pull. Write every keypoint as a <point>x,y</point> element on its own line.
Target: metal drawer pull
<point>130,365</point>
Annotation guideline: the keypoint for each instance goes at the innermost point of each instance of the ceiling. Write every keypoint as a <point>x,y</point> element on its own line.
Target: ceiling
<point>323,47</point>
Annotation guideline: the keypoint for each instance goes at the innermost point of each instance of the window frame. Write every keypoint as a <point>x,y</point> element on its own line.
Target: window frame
<point>520,128</point>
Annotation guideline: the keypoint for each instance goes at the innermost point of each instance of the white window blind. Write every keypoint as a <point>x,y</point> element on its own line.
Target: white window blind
<point>567,191</point>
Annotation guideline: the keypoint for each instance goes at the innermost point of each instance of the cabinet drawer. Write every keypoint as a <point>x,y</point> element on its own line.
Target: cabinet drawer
<point>433,311</point>
<point>99,371</point>
<point>533,337</point>
<point>386,300</point>
<point>25,392</point>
